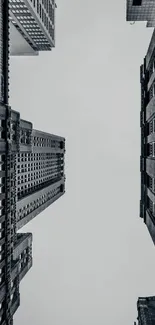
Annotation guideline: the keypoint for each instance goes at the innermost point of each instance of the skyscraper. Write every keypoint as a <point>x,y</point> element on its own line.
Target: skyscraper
<point>32,26</point>
<point>141,10</point>
<point>147,123</point>
<point>35,173</point>
<point>40,176</point>
<point>146,311</point>
<point>31,178</point>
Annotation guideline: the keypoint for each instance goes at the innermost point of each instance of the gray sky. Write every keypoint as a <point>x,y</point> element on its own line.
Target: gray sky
<point>92,254</point>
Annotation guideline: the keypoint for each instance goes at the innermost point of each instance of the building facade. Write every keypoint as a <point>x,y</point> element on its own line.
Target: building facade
<point>31,178</point>
<point>34,163</point>
<point>34,20</point>
<point>147,123</point>
<point>146,311</point>
<point>141,10</point>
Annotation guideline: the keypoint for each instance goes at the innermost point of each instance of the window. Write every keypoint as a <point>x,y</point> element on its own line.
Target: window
<point>153,66</point>
<point>153,149</point>
<point>150,204</point>
<point>153,185</point>
<point>153,211</point>
<point>137,2</point>
<point>153,126</point>
<point>153,89</point>
<point>37,6</point>
<point>150,149</point>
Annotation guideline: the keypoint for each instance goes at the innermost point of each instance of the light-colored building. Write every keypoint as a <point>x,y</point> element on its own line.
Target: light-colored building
<point>141,10</point>
<point>32,26</point>
<point>18,44</point>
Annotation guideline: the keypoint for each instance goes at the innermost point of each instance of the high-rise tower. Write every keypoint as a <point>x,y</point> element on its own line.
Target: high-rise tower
<point>31,178</point>
<point>34,164</point>
<point>147,122</point>
<point>40,178</point>
<point>32,26</point>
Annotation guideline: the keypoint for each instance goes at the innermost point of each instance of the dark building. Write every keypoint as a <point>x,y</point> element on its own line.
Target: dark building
<point>31,178</point>
<point>35,163</point>
<point>39,169</point>
<point>147,118</point>
<point>146,311</point>
<point>141,10</point>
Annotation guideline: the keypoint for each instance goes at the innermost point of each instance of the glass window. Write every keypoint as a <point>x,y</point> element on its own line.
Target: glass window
<point>153,89</point>
<point>37,6</point>
<point>153,67</point>
<point>137,2</point>
<point>150,149</point>
<point>150,127</point>
<point>153,126</point>
<point>153,149</point>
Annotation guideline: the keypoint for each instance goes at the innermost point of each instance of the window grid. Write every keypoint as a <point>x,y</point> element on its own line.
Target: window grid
<point>23,212</point>
<point>151,92</point>
<point>25,18</point>
<point>36,170</point>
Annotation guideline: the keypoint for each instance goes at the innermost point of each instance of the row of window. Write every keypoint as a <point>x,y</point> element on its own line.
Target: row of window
<point>46,14</point>
<point>151,149</point>
<point>23,212</point>
<point>151,92</point>
<point>151,183</point>
<point>39,165</point>
<point>27,156</point>
<point>151,126</point>
<point>34,171</point>
<point>45,3</point>
<point>31,186</point>
<point>152,68</point>
<point>34,182</point>
<point>42,177</point>
<point>47,142</point>
<point>151,206</point>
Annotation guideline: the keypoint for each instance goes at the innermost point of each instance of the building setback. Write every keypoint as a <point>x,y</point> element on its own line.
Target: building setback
<point>36,180</point>
<point>34,20</point>
<point>146,311</point>
<point>147,123</point>
<point>141,10</point>
<point>31,178</point>
<point>39,170</point>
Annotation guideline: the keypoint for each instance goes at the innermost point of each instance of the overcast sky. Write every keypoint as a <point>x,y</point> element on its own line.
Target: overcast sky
<point>92,254</point>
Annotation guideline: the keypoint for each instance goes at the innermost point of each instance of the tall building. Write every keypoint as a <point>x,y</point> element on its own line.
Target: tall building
<point>146,311</point>
<point>40,178</point>
<point>147,121</point>
<point>32,26</point>
<point>31,178</point>
<point>141,10</point>
<point>35,163</point>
